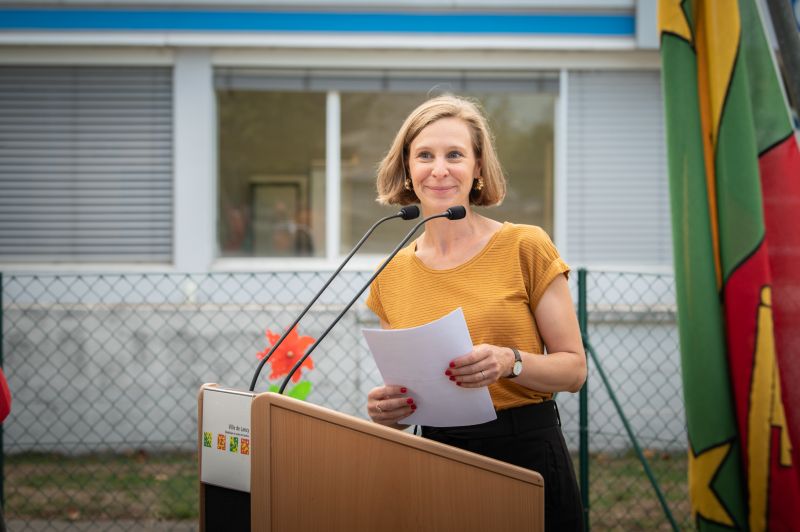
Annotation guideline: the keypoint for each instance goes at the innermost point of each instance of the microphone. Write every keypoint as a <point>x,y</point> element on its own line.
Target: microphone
<point>456,213</point>
<point>453,213</point>
<point>406,213</point>
<point>410,212</point>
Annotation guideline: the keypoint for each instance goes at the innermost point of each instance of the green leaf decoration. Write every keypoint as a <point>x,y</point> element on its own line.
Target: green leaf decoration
<point>301,391</point>
<point>274,388</point>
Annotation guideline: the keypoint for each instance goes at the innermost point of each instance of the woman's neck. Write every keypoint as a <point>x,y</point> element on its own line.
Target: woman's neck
<point>443,236</point>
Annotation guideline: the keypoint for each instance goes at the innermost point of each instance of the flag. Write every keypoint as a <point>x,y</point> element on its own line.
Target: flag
<point>734,171</point>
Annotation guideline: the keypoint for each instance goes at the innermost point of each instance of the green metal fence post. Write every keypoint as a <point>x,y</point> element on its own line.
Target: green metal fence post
<point>649,472</point>
<point>584,403</point>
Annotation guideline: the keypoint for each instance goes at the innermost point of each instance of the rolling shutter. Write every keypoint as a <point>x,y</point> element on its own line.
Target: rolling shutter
<point>86,164</point>
<point>618,197</point>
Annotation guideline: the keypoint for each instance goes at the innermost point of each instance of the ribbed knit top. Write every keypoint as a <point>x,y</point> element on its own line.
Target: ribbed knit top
<point>498,290</point>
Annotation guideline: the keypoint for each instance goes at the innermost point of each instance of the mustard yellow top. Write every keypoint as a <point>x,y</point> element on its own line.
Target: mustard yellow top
<point>498,290</point>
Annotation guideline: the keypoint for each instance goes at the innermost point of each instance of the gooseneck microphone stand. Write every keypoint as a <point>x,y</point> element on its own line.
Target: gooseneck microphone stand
<point>453,213</point>
<point>406,213</point>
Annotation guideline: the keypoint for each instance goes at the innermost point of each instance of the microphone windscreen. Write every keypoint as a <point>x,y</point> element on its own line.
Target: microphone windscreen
<point>410,212</point>
<point>456,213</point>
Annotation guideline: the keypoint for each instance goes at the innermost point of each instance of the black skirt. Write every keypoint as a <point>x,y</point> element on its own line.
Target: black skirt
<point>530,437</point>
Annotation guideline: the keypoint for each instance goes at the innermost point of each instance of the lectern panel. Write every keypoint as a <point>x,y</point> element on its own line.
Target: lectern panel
<point>363,477</point>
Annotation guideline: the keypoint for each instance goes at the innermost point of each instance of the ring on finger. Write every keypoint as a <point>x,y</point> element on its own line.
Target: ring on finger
<point>483,376</point>
<point>378,406</point>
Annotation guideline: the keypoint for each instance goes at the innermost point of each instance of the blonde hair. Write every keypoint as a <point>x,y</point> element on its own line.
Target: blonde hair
<point>393,170</point>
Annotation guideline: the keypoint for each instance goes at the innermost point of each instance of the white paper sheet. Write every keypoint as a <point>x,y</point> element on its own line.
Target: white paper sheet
<point>417,359</point>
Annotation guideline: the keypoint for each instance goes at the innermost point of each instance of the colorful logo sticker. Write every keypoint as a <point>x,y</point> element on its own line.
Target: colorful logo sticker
<point>207,439</point>
<point>245,445</point>
<point>221,442</point>
<point>234,444</point>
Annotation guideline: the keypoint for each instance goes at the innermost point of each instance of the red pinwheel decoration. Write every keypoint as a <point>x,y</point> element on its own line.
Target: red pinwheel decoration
<point>285,357</point>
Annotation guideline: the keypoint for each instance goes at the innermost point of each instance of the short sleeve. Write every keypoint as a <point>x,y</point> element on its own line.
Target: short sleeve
<point>374,301</point>
<point>544,264</point>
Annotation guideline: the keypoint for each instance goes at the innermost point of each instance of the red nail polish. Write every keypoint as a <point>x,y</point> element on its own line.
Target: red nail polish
<point>447,372</point>
<point>458,383</point>
<point>452,378</point>
<point>410,401</point>
<point>452,364</point>
<point>413,407</point>
<point>403,390</point>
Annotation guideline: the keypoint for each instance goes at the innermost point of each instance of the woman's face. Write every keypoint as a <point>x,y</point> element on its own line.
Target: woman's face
<point>442,164</point>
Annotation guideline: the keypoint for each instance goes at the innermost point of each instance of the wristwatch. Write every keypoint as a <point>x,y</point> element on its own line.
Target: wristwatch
<point>516,369</point>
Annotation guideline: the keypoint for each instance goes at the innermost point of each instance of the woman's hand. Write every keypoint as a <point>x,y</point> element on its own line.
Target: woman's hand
<point>562,369</point>
<point>482,366</point>
<point>389,404</point>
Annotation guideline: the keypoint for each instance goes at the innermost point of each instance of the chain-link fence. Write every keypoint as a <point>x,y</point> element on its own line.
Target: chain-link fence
<point>634,398</point>
<point>105,369</point>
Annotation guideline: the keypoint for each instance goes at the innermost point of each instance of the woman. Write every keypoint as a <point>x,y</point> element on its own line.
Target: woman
<point>511,284</point>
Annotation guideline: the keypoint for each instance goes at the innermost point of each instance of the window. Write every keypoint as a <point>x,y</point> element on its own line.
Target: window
<point>272,137</point>
<point>617,171</point>
<point>86,164</point>
<point>271,173</point>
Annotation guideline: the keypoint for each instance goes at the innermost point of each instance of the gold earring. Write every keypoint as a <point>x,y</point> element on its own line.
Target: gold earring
<point>478,184</point>
<point>408,184</point>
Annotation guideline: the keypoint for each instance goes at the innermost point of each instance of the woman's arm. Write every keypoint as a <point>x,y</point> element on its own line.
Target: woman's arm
<point>562,369</point>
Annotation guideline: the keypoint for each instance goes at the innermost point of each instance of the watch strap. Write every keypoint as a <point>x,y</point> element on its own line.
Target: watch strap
<point>517,360</point>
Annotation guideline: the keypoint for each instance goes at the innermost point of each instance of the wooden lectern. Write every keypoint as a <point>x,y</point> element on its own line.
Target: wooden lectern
<point>316,469</point>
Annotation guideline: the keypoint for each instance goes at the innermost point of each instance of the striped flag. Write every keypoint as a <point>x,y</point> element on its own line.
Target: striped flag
<point>734,170</point>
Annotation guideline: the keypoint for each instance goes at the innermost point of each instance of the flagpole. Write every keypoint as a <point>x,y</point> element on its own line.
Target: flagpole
<point>783,22</point>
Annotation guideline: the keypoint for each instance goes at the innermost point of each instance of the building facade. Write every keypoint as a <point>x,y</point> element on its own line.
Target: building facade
<point>208,136</point>
<point>177,177</point>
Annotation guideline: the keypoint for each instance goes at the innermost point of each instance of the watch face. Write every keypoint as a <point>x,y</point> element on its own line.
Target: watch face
<point>517,367</point>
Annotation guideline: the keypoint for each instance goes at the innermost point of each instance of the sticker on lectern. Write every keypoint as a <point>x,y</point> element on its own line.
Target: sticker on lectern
<point>226,422</point>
